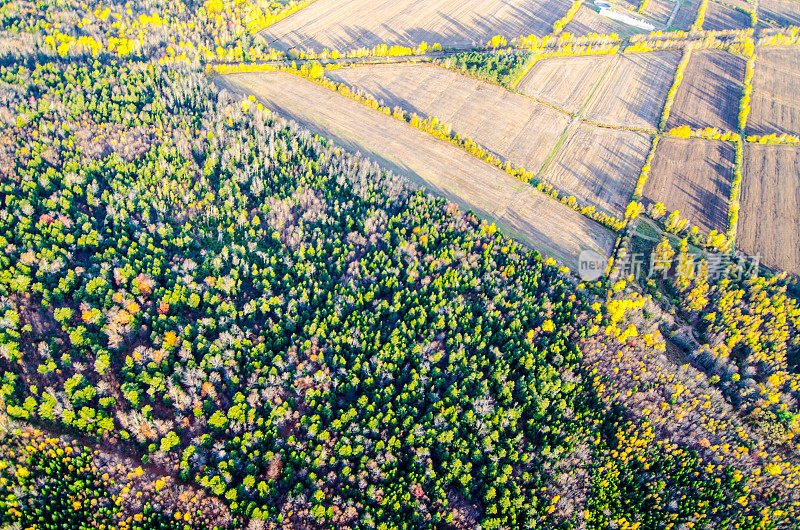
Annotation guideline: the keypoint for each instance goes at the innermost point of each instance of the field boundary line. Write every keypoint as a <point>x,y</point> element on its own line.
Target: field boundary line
<point>747,90</point>
<point>650,132</point>
<point>700,17</point>
<point>285,14</point>
<point>744,113</point>
<point>673,91</point>
<point>557,147</point>
<point>564,21</point>
<point>735,193</point>
<point>774,139</point>
<point>645,171</point>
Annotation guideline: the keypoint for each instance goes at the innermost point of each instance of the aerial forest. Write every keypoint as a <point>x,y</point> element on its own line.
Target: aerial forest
<point>212,318</point>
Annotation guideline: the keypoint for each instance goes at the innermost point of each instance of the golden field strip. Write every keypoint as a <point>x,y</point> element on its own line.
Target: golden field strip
<point>775,107</point>
<point>769,216</point>
<point>350,24</point>
<point>518,208</point>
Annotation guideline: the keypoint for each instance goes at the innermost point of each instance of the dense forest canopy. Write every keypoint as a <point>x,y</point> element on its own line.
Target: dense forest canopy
<point>212,318</point>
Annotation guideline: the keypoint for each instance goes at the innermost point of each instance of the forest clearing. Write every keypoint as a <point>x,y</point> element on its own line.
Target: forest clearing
<point>434,164</point>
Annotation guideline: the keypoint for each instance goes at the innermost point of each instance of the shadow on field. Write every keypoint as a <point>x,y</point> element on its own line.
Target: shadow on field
<point>720,18</point>
<point>470,29</point>
<point>717,83</point>
<point>648,104</point>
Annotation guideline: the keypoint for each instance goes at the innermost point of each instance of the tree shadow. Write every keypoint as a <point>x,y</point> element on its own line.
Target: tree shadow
<point>647,105</point>
<point>703,201</point>
<point>721,17</point>
<point>511,18</point>
<point>714,79</point>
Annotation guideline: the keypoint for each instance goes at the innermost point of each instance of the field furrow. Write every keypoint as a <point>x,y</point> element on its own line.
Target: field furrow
<point>565,82</point>
<point>599,166</point>
<point>633,92</point>
<point>775,107</point>
<point>710,91</point>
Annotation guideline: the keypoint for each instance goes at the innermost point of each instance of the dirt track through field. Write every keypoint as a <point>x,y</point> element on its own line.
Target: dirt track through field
<point>522,212</point>
<point>349,24</point>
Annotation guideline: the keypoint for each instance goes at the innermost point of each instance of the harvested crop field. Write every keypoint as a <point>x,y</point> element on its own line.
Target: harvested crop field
<point>780,12</point>
<point>599,166</point>
<point>350,24</point>
<point>511,126</point>
<point>633,91</point>
<point>769,216</point>
<point>775,107</point>
<point>710,91</point>
<point>720,16</point>
<point>565,82</point>
<point>741,4</point>
<point>516,207</point>
<point>693,176</point>
<point>661,12</point>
